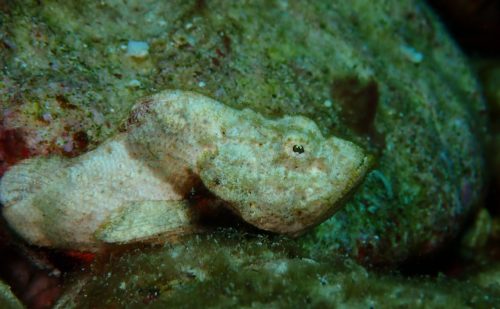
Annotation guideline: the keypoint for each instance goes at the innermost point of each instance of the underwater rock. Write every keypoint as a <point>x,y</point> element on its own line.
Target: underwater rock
<point>383,74</point>
<point>229,270</point>
<point>280,175</point>
<point>7,298</point>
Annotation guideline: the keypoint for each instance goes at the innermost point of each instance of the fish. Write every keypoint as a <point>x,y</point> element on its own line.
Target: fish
<point>277,174</point>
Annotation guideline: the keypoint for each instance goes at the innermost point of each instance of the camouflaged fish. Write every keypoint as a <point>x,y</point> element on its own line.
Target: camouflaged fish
<point>279,175</point>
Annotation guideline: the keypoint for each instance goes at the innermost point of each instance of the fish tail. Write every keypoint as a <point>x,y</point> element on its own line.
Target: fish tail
<point>26,178</point>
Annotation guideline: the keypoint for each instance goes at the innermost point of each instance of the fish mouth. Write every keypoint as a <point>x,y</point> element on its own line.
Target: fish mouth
<point>308,220</point>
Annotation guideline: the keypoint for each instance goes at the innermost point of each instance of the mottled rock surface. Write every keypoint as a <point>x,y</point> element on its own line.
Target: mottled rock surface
<point>383,74</point>
<point>7,298</point>
<point>228,270</point>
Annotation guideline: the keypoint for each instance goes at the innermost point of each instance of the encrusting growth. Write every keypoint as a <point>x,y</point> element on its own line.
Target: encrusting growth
<point>279,175</point>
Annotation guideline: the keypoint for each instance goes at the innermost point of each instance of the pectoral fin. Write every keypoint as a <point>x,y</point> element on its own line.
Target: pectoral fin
<point>146,220</point>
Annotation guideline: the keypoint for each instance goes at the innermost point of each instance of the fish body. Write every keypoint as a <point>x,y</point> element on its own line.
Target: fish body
<point>280,175</point>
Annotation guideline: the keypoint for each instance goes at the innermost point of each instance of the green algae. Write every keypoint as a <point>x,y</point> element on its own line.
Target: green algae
<point>7,298</point>
<point>228,269</point>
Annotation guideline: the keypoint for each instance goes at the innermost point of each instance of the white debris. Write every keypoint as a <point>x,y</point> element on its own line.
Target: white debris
<point>411,53</point>
<point>134,83</point>
<point>47,117</point>
<point>137,49</point>
<point>68,147</point>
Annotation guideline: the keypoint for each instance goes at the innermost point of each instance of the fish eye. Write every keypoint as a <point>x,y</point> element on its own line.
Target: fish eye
<point>298,149</point>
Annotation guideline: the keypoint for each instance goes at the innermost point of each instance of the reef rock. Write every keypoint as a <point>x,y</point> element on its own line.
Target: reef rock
<point>233,271</point>
<point>7,298</point>
<point>382,74</point>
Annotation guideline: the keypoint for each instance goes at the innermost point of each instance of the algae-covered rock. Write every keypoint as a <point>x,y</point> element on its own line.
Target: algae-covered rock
<point>229,270</point>
<point>382,74</point>
<point>7,298</point>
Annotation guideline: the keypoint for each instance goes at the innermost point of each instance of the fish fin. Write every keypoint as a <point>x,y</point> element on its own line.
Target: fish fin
<point>26,178</point>
<point>147,221</point>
